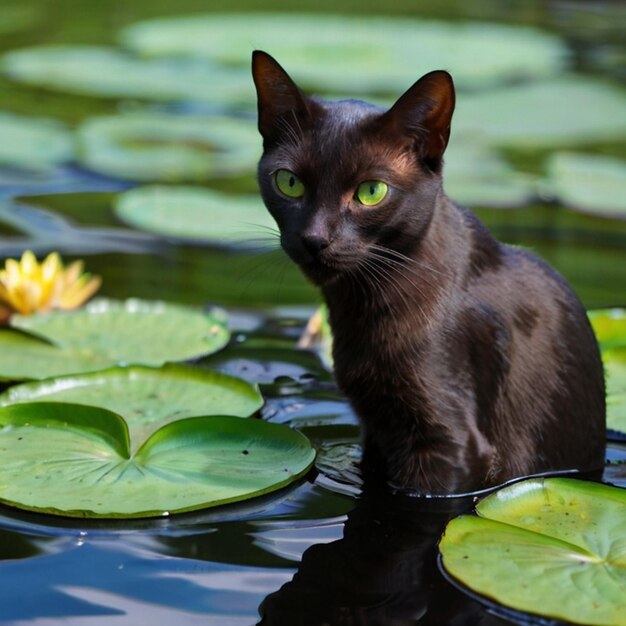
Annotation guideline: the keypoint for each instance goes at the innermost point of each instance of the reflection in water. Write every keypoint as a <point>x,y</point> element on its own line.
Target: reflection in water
<point>17,545</point>
<point>382,572</point>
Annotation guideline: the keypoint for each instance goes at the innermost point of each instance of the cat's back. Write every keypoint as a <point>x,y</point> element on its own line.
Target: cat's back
<point>527,290</point>
<point>534,354</point>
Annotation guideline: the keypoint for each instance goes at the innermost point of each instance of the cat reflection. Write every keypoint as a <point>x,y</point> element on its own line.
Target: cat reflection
<point>383,572</point>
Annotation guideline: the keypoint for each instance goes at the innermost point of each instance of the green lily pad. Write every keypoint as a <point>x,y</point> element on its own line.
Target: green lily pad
<point>147,398</point>
<point>76,460</point>
<point>33,143</point>
<point>195,214</point>
<point>615,371</point>
<point>588,182</point>
<point>106,72</point>
<point>475,175</point>
<point>106,333</point>
<point>356,55</point>
<point>556,545</point>
<point>609,326</point>
<point>25,357</point>
<point>162,147</point>
<point>541,115</point>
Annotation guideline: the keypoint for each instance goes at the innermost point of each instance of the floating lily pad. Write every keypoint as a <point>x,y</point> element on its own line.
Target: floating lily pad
<point>195,214</point>
<point>153,332</point>
<point>475,175</point>
<point>554,546</point>
<point>33,143</point>
<point>100,71</point>
<point>107,333</point>
<point>76,460</point>
<point>25,357</point>
<point>588,182</point>
<point>609,326</point>
<point>615,370</point>
<point>541,115</point>
<point>161,147</point>
<point>147,398</point>
<point>356,55</point>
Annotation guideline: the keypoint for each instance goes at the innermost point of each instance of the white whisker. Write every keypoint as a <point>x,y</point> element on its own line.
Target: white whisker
<point>408,262</point>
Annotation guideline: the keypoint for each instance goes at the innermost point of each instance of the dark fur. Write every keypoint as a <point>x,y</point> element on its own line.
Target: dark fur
<point>468,362</point>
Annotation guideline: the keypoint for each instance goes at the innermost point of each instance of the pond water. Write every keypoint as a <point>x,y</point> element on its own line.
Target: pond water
<point>217,567</point>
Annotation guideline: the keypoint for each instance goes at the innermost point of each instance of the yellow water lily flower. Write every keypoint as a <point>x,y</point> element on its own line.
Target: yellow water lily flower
<point>27,286</point>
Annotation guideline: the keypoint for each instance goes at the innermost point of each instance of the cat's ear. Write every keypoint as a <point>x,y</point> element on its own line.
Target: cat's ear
<point>279,98</point>
<point>424,113</point>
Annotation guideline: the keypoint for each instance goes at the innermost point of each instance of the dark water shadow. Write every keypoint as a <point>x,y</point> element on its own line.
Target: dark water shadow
<point>383,571</point>
<point>386,571</point>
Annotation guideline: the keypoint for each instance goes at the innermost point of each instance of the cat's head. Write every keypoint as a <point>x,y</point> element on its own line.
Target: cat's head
<point>347,181</point>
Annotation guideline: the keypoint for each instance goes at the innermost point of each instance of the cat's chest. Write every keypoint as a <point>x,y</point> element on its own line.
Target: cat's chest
<point>372,358</point>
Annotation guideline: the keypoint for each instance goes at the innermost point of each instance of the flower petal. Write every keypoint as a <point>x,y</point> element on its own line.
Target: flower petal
<point>51,267</point>
<point>72,272</point>
<point>28,286</point>
<point>29,267</point>
<point>79,292</point>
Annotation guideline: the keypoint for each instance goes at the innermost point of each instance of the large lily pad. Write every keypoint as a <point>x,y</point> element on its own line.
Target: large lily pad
<point>475,175</point>
<point>588,182</point>
<point>541,115</point>
<point>551,546</point>
<point>162,147</point>
<point>107,333</point>
<point>76,460</point>
<point>196,214</point>
<point>33,143</point>
<point>100,71</point>
<point>356,55</point>
<point>147,398</point>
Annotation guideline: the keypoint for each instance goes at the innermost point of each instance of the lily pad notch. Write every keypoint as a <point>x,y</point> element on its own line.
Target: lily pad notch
<point>76,460</point>
<point>553,545</point>
<point>147,398</point>
<point>106,333</point>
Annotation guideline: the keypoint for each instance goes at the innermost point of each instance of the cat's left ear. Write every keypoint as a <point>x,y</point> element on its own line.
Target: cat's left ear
<point>424,113</point>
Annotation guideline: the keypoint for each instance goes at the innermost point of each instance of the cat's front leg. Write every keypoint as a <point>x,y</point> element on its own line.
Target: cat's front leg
<point>404,460</point>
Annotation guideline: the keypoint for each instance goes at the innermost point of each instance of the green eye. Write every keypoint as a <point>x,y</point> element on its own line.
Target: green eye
<point>371,192</point>
<point>289,184</point>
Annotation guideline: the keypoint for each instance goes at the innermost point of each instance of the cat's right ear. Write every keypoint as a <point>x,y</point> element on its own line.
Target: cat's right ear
<point>279,98</point>
<point>424,113</point>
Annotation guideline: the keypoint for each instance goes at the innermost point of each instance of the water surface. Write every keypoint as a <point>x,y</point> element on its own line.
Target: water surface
<point>218,567</point>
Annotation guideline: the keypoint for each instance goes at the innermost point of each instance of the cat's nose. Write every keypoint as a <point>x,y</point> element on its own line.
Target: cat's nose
<point>315,243</point>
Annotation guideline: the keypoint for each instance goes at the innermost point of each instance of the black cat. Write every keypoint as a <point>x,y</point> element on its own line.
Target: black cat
<point>469,362</point>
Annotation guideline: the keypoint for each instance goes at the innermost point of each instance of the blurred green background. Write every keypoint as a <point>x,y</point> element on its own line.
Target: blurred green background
<point>99,97</point>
